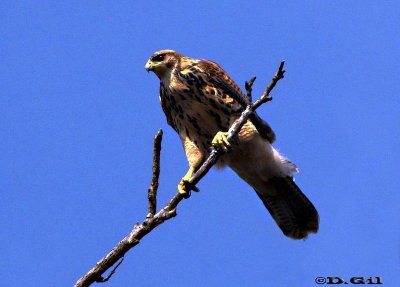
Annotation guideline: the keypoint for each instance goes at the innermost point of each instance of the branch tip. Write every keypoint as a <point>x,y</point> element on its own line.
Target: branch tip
<point>249,87</point>
<point>152,191</point>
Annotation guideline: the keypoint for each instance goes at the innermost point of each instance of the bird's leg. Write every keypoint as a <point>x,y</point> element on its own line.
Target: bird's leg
<point>188,175</point>
<point>221,141</point>
<point>183,186</point>
<point>195,158</point>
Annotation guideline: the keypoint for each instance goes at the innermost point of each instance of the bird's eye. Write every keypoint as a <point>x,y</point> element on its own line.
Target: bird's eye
<point>159,58</point>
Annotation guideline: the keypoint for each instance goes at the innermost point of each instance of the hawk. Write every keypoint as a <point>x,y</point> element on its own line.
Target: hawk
<point>201,102</point>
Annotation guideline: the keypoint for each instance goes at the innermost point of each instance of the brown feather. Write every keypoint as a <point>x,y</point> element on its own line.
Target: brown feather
<point>222,80</point>
<point>294,213</point>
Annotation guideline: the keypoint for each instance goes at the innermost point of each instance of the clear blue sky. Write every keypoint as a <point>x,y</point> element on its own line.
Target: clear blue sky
<point>79,112</point>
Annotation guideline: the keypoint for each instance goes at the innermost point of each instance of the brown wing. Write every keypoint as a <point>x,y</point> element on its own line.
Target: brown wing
<point>165,107</point>
<point>218,77</point>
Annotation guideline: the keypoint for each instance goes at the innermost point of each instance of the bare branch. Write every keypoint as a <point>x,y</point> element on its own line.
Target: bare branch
<point>265,97</point>
<point>249,88</point>
<point>152,192</point>
<point>102,280</point>
<point>169,211</point>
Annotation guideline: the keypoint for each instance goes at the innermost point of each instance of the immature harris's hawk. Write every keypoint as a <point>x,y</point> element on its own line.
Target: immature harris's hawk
<point>200,102</point>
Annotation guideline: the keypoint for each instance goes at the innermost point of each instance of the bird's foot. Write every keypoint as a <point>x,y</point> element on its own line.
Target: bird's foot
<point>221,141</point>
<point>184,186</point>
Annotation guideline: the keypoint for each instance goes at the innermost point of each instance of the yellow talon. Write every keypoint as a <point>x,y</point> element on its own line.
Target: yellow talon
<point>221,141</point>
<point>181,185</point>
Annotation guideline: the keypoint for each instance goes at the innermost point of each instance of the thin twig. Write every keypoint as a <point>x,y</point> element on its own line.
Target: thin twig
<point>265,97</point>
<point>152,192</point>
<point>249,88</point>
<point>169,210</point>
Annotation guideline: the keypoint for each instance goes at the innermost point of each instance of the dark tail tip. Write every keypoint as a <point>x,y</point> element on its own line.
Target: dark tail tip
<point>291,209</point>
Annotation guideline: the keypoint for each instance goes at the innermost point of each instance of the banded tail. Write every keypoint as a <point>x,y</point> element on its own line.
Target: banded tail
<point>293,212</point>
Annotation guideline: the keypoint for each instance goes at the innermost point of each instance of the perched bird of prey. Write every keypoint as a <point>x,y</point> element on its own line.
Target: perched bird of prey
<point>200,102</point>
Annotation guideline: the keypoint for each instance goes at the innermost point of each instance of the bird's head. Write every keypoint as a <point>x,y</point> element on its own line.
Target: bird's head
<point>162,62</point>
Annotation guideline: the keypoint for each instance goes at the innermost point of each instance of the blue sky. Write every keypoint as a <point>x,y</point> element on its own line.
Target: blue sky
<point>79,112</point>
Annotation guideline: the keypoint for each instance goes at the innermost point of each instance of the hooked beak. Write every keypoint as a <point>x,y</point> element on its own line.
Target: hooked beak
<point>149,66</point>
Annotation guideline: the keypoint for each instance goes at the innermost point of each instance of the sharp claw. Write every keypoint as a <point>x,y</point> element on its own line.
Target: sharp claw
<point>195,188</point>
<point>186,195</point>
